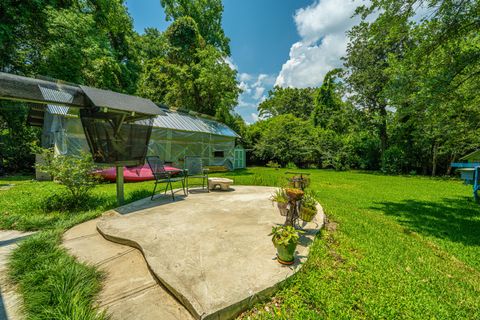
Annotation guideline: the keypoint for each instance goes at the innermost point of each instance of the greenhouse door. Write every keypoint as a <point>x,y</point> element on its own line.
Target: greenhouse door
<point>239,157</point>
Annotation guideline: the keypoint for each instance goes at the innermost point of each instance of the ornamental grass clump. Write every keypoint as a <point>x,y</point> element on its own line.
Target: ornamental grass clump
<point>281,199</point>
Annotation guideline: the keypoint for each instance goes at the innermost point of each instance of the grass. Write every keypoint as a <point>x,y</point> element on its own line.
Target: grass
<point>53,284</point>
<point>395,247</point>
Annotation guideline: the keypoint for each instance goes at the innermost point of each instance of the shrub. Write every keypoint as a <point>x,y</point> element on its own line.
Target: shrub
<point>75,173</point>
<point>393,160</point>
<point>273,164</point>
<point>291,165</point>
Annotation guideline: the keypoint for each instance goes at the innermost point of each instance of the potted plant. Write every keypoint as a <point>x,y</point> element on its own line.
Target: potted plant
<point>285,239</point>
<point>281,198</point>
<point>308,207</point>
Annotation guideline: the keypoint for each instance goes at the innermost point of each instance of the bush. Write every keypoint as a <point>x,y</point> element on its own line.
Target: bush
<point>393,160</point>
<point>291,165</point>
<point>284,139</point>
<point>273,164</point>
<point>75,173</point>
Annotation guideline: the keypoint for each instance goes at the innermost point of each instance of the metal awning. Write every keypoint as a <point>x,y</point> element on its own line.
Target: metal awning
<point>39,91</point>
<point>118,101</point>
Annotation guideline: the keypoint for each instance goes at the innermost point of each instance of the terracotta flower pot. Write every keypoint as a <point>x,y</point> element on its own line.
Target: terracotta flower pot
<point>294,194</point>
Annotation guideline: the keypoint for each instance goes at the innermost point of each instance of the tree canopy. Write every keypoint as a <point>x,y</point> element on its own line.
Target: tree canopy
<point>93,43</point>
<point>406,100</point>
<point>207,14</point>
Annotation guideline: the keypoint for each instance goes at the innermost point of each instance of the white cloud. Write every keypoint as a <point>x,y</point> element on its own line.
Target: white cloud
<point>322,27</point>
<point>230,63</point>
<point>245,87</point>
<point>264,79</point>
<point>245,77</point>
<point>258,93</point>
<point>254,88</point>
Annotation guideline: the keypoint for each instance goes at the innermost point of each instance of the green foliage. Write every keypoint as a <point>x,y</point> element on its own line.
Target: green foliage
<point>284,139</point>
<point>285,235</point>
<point>191,75</point>
<point>291,165</point>
<point>184,40</point>
<point>309,200</point>
<point>281,101</point>
<point>393,160</point>
<point>17,141</point>
<point>279,196</point>
<point>52,283</point>
<point>208,16</point>
<point>273,164</point>
<point>74,173</point>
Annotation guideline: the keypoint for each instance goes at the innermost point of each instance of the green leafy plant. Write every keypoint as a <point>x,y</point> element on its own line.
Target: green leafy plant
<point>291,165</point>
<point>285,235</point>
<point>273,164</point>
<point>279,196</point>
<point>74,173</point>
<point>308,200</point>
<point>308,206</point>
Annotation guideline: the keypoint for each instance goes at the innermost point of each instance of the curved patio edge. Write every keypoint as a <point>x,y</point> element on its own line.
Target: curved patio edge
<point>195,296</point>
<point>191,307</point>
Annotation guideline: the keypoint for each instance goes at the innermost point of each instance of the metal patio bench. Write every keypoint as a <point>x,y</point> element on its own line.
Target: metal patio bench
<point>164,176</point>
<point>193,167</point>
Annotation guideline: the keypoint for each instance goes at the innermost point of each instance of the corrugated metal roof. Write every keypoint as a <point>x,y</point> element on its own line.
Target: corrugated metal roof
<point>174,120</point>
<point>60,110</point>
<point>120,101</point>
<point>55,95</point>
<point>182,121</point>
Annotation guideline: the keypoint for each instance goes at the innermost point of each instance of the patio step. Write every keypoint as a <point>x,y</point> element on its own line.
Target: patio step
<point>129,289</point>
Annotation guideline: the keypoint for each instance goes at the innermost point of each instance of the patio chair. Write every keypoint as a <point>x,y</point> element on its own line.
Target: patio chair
<point>193,168</point>
<point>163,176</point>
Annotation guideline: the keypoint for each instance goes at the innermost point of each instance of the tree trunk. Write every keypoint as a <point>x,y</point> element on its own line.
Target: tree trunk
<point>434,159</point>
<point>383,130</point>
<point>449,168</point>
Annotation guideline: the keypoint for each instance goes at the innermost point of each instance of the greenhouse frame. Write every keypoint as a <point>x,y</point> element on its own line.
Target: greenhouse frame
<point>174,135</point>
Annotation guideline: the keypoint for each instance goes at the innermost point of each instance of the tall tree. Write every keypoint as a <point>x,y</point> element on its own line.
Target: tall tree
<point>433,84</point>
<point>371,44</point>
<point>207,14</point>
<point>295,101</point>
<point>192,75</point>
<point>330,112</point>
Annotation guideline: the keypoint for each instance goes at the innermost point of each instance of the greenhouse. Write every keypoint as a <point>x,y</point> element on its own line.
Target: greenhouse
<point>174,136</point>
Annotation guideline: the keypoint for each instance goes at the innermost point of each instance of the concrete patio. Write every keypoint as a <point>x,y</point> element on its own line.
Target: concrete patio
<point>210,251</point>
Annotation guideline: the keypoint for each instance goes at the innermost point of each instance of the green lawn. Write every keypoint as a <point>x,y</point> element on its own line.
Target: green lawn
<point>395,247</point>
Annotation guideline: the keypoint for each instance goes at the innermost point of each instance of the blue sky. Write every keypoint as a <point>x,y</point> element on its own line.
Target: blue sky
<point>284,42</point>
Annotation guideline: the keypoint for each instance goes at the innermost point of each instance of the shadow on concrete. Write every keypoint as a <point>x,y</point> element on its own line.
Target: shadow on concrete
<point>147,203</point>
<point>8,242</point>
<point>455,219</point>
<point>3,312</point>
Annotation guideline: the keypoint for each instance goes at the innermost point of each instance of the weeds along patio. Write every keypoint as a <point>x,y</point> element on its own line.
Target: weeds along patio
<point>210,250</point>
